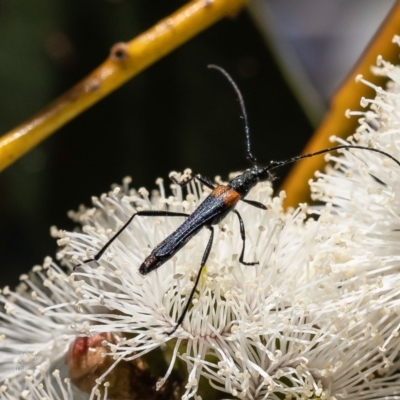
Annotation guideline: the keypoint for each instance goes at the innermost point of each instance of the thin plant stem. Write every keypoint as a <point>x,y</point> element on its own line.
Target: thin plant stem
<point>124,62</point>
<point>348,96</point>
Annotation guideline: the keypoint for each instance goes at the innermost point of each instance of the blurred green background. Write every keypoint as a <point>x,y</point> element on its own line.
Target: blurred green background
<point>177,114</point>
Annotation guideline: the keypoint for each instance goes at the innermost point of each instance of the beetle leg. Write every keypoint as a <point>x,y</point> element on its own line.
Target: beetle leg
<point>190,298</point>
<point>255,204</point>
<point>204,181</point>
<point>243,235</point>
<point>144,213</point>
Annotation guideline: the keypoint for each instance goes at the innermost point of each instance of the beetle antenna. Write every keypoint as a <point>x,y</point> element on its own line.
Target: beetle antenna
<point>250,156</point>
<point>278,164</point>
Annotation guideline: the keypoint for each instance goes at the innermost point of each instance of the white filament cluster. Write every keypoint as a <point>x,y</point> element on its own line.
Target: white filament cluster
<point>318,317</point>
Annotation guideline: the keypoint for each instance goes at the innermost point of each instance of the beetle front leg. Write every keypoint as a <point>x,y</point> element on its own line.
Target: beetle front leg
<point>183,183</point>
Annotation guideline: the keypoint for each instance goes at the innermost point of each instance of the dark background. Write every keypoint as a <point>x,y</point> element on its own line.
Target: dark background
<point>176,114</point>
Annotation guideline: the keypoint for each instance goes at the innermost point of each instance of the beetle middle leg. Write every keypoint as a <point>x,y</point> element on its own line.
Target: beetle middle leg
<point>243,235</point>
<point>190,298</point>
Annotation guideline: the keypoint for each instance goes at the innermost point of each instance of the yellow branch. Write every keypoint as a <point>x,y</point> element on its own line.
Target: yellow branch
<point>347,97</point>
<point>125,61</point>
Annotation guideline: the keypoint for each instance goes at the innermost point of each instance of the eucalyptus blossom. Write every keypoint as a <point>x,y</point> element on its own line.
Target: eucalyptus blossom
<point>317,317</point>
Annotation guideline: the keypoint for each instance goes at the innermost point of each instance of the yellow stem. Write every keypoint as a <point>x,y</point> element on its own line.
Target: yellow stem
<point>348,96</point>
<point>125,61</point>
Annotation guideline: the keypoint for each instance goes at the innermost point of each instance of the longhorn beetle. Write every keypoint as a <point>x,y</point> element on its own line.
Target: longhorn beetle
<point>220,202</point>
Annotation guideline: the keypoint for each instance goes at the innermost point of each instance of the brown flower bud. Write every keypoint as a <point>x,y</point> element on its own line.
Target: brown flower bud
<point>87,361</point>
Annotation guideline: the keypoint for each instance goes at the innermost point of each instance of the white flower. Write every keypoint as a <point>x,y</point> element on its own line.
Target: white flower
<point>318,317</point>
<point>39,386</point>
<point>40,321</point>
<point>364,189</point>
<point>35,334</point>
<point>288,326</point>
<point>234,301</point>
